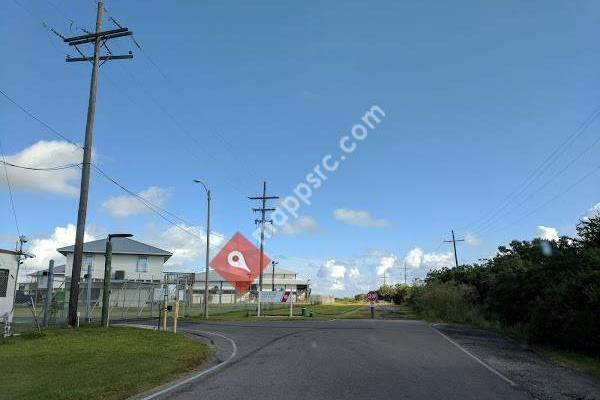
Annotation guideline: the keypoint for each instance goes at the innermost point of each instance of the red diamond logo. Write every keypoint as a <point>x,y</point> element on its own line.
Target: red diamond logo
<point>239,262</point>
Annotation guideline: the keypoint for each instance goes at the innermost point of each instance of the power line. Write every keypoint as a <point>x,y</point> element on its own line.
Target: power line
<point>161,107</point>
<point>538,172</point>
<point>45,25</point>
<point>153,207</point>
<point>55,168</point>
<point>179,92</point>
<point>552,178</point>
<point>555,197</point>
<point>10,193</point>
<point>51,129</point>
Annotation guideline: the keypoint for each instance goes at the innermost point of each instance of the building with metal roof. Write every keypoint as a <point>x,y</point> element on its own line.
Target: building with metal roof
<point>131,260</point>
<point>222,291</point>
<point>120,245</point>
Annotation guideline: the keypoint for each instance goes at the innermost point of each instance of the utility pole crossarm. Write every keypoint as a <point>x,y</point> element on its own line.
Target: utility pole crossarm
<point>101,58</point>
<point>92,38</point>
<point>94,35</point>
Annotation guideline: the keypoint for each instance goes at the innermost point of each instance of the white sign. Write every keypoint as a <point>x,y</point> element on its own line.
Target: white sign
<point>269,297</point>
<point>275,297</point>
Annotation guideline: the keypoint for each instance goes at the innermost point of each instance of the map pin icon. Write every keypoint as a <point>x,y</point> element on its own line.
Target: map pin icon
<point>236,260</point>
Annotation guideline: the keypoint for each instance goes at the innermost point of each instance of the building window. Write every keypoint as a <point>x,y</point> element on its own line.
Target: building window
<point>142,264</point>
<point>3,282</point>
<point>88,261</point>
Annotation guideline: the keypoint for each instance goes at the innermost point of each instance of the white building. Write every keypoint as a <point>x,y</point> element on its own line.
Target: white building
<point>9,262</point>
<point>131,260</point>
<point>39,279</point>
<point>222,292</point>
<point>136,271</point>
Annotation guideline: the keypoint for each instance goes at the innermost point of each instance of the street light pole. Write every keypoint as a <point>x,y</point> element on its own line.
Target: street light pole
<point>273,275</point>
<point>107,273</point>
<point>208,197</point>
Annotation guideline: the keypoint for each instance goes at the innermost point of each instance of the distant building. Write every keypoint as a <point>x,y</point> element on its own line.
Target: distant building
<point>39,279</point>
<point>222,292</point>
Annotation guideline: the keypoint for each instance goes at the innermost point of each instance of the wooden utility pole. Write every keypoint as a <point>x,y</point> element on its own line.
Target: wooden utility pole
<point>263,210</point>
<point>99,39</point>
<point>453,241</point>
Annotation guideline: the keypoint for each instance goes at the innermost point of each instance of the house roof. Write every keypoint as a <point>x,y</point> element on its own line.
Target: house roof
<point>58,270</point>
<point>14,253</point>
<point>269,270</point>
<point>119,246</point>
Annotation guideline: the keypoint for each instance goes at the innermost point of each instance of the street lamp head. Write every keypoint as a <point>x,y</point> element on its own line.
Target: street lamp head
<point>203,185</point>
<point>119,235</point>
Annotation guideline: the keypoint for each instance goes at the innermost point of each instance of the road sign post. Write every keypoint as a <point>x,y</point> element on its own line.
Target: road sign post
<point>372,297</point>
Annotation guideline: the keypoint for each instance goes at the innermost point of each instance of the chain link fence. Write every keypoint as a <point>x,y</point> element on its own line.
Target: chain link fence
<point>42,299</point>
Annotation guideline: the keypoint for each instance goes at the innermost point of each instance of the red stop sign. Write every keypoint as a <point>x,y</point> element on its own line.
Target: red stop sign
<point>372,296</point>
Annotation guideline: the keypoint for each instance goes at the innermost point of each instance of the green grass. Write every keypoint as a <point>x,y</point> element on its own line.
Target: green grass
<point>588,364</point>
<point>320,311</point>
<point>93,363</point>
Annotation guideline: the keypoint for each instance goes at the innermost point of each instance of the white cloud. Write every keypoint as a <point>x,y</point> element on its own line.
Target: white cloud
<point>339,277</point>
<point>332,275</point>
<point>188,249</point>
<point>385,264</point>
<point>301,225</point>
<point>359,218</point>
<point>126,205</point>
<point>592,212</point>
<point>417,258</point>
<point>45,154</point>
<point>547,233</point>
<point>472,240</point>
<point>44,248</point>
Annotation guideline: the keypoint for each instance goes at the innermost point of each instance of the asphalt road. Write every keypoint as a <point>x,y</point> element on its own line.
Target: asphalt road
<point>342,359</point>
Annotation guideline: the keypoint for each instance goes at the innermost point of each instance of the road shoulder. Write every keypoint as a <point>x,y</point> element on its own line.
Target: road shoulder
<point>538,375</point>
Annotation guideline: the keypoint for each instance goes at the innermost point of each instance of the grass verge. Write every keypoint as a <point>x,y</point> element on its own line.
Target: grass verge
<point>93,363</point>
<point>581,362</point>
<point>321,311</point>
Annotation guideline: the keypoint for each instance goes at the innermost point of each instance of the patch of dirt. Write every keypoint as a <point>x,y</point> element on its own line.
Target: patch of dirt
<point>541,377</point>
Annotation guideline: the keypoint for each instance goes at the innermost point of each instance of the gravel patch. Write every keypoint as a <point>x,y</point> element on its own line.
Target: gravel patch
<point>539,376</point>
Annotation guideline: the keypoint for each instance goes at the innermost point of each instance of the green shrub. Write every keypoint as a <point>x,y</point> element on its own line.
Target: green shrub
<point>546,290</point>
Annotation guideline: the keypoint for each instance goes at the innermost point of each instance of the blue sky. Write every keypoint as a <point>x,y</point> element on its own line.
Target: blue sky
<point>476,95</point>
